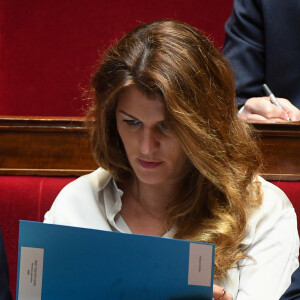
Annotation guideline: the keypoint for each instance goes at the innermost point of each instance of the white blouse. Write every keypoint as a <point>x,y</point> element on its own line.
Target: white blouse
<point>94,201</point>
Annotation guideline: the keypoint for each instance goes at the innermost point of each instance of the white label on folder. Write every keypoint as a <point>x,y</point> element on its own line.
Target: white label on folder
<point>31,273</point>
<point>200,264</point>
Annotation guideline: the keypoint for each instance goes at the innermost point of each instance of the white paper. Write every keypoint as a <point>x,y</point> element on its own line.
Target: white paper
<point>31,273</point>
<point>200,261</point>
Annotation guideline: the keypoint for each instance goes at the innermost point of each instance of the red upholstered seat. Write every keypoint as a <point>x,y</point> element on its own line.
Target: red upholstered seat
<point>292,190</point>
<point>24,198</point>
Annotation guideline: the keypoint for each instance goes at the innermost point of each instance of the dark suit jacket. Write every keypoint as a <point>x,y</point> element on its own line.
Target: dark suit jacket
<point>293,292</point>
<point>4,286</point>
<point>262,44</point>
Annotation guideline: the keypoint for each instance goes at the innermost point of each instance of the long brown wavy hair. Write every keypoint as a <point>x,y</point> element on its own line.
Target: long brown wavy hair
<point>174,60</point>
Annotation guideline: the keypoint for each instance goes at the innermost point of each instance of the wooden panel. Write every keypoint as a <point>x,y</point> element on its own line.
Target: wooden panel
<point>44,146</point>
<point>61,147</point>
<point>280,145</point>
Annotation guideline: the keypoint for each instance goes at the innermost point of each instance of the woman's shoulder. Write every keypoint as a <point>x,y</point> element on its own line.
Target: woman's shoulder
<point>92,182</point>
<point>273,197</point>
<point>81,195</point>
<point>275,209</point>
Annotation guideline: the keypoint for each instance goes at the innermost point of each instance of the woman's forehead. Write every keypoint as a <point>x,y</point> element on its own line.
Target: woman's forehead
<point>136,103</point>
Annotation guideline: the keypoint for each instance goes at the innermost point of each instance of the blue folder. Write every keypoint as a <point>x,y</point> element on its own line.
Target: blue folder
<point>63,262</point>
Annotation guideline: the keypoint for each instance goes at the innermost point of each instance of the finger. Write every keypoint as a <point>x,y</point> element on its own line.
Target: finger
<point>263,107</point>
<point>219,292</point>
<point>277,120</point>
<point>273,111</point>
<point>294,116</point>
<point>250,117</point>
<point>292,111</point>
<point>270,121</point>
<point>286,104</point>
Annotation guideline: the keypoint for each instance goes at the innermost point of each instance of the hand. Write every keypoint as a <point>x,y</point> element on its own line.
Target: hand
<point>218,292</point>
<point>262,109</point>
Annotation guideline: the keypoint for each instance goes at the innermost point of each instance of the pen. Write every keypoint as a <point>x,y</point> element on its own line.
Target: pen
<point>273,99</point>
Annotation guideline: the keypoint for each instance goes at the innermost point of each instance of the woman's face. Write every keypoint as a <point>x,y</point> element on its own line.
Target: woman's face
<point>153,150</point>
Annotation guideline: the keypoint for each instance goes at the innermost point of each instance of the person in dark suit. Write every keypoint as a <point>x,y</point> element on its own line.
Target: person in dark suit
<point>262,44</point>
<point>293,292</point>
<point>4,283</point>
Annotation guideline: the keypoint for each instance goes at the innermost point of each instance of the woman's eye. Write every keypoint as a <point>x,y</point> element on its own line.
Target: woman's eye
<point>132,122</point>
<point>163,126</point>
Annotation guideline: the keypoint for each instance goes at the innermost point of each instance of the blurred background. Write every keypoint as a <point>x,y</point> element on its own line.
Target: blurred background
<point>49,48</point>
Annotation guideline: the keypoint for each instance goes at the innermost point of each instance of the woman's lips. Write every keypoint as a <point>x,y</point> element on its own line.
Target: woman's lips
<point>149,164</point>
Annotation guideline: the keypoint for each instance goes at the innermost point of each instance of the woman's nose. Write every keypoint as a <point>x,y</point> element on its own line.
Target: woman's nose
<point>148,142</point>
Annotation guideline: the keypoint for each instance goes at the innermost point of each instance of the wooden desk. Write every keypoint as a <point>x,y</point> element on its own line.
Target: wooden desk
<point>61,147</point>
<point>44,146</point>
<point>280,145</point>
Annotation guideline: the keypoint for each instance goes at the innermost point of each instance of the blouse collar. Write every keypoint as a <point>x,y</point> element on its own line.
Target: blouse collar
<point>112,205</point>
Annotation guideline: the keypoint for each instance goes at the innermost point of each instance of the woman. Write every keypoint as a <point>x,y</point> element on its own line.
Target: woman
<point>177,162</point>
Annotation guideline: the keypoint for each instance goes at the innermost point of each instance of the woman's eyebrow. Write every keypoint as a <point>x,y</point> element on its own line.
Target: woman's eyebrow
<point>135,118</point>
<point>127,114</point>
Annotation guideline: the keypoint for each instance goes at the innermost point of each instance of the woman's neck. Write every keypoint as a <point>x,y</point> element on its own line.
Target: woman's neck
<point>154,198</point>
<point>144,206</point>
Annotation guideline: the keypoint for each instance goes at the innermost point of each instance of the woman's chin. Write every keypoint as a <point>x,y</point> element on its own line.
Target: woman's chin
<point>149,178</point>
